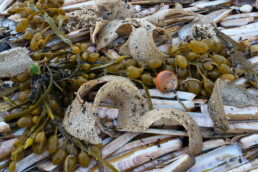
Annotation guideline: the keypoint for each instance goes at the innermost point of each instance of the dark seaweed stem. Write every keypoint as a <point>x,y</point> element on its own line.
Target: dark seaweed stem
<point>33,107</point>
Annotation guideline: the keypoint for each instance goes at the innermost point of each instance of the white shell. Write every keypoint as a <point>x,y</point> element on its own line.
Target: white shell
<point>246,8</point>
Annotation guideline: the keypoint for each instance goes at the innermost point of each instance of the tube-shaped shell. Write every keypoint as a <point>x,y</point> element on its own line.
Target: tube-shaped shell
<point>128,99</point>
<point>136,157</point>
<point>193,131</point>
<point>158,18</point>
<point>217,157</point>
<point>249,141</point>
<point>145,49</point>
<point>183,163</point>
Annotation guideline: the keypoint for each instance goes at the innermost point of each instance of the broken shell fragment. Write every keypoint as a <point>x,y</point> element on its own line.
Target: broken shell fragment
<point>216,108</point>
<point>183,163</point>
<point>227,94</point>
<point>235,95</point>
<point>80,111</point>
<point>99,25</point>
<point>193,131</point>
<point>166,81</point>
<point>112,31</point>
<point>246,8</point>
<point>115,9</point>
<point>145,49</point>
<point>128,99</point>
<point>14,61</point>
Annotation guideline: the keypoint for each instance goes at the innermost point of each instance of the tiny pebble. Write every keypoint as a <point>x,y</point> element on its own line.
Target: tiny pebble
<point>246,8</point>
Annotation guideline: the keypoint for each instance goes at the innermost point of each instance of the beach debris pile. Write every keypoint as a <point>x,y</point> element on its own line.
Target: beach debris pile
<point>114,85</point>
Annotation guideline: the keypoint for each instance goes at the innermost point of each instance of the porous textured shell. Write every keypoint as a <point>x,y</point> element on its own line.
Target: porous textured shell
<point>144,49</point>
<point>84,18</point>
<point>80,117</point>
<point>216,108</point>
<point>109,78</point>
<point>192,129</point>
<point>225,93</point>
<point>14,61</point>
<point>115,9</point>
<point>142,23</point>
<point>128,99</point>
<point>235,95</point>
<point>113,30</point>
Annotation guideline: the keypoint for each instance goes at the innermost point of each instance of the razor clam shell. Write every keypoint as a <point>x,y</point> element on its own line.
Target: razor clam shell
<point>146,2</point>
<point>242,15</point>
<point>89,4</point>
<point>139,143</point>
<point>6,148</point>
<point>4,4</point>
<point>241,37</point>
<point>204,4</point>
<point>158,103</point>
<point>181,95</point>
<point>207,145</point>
<point>71,2</point>
<point>150,11</point>
<point>127,161</point>
<point>236,113</point>
<point>117,143</point>
<point>55,44</point>
<point>155,93</point>
<point>245,167</point>
<point>241,30</point>
<point>183,163</point>
<point>232,162</point>
<point>237,22</point>
<point>47,166</point>
<point>216,157</point>
<point>247,127</point>
<point>249,141</point>
<point>202,120</point>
